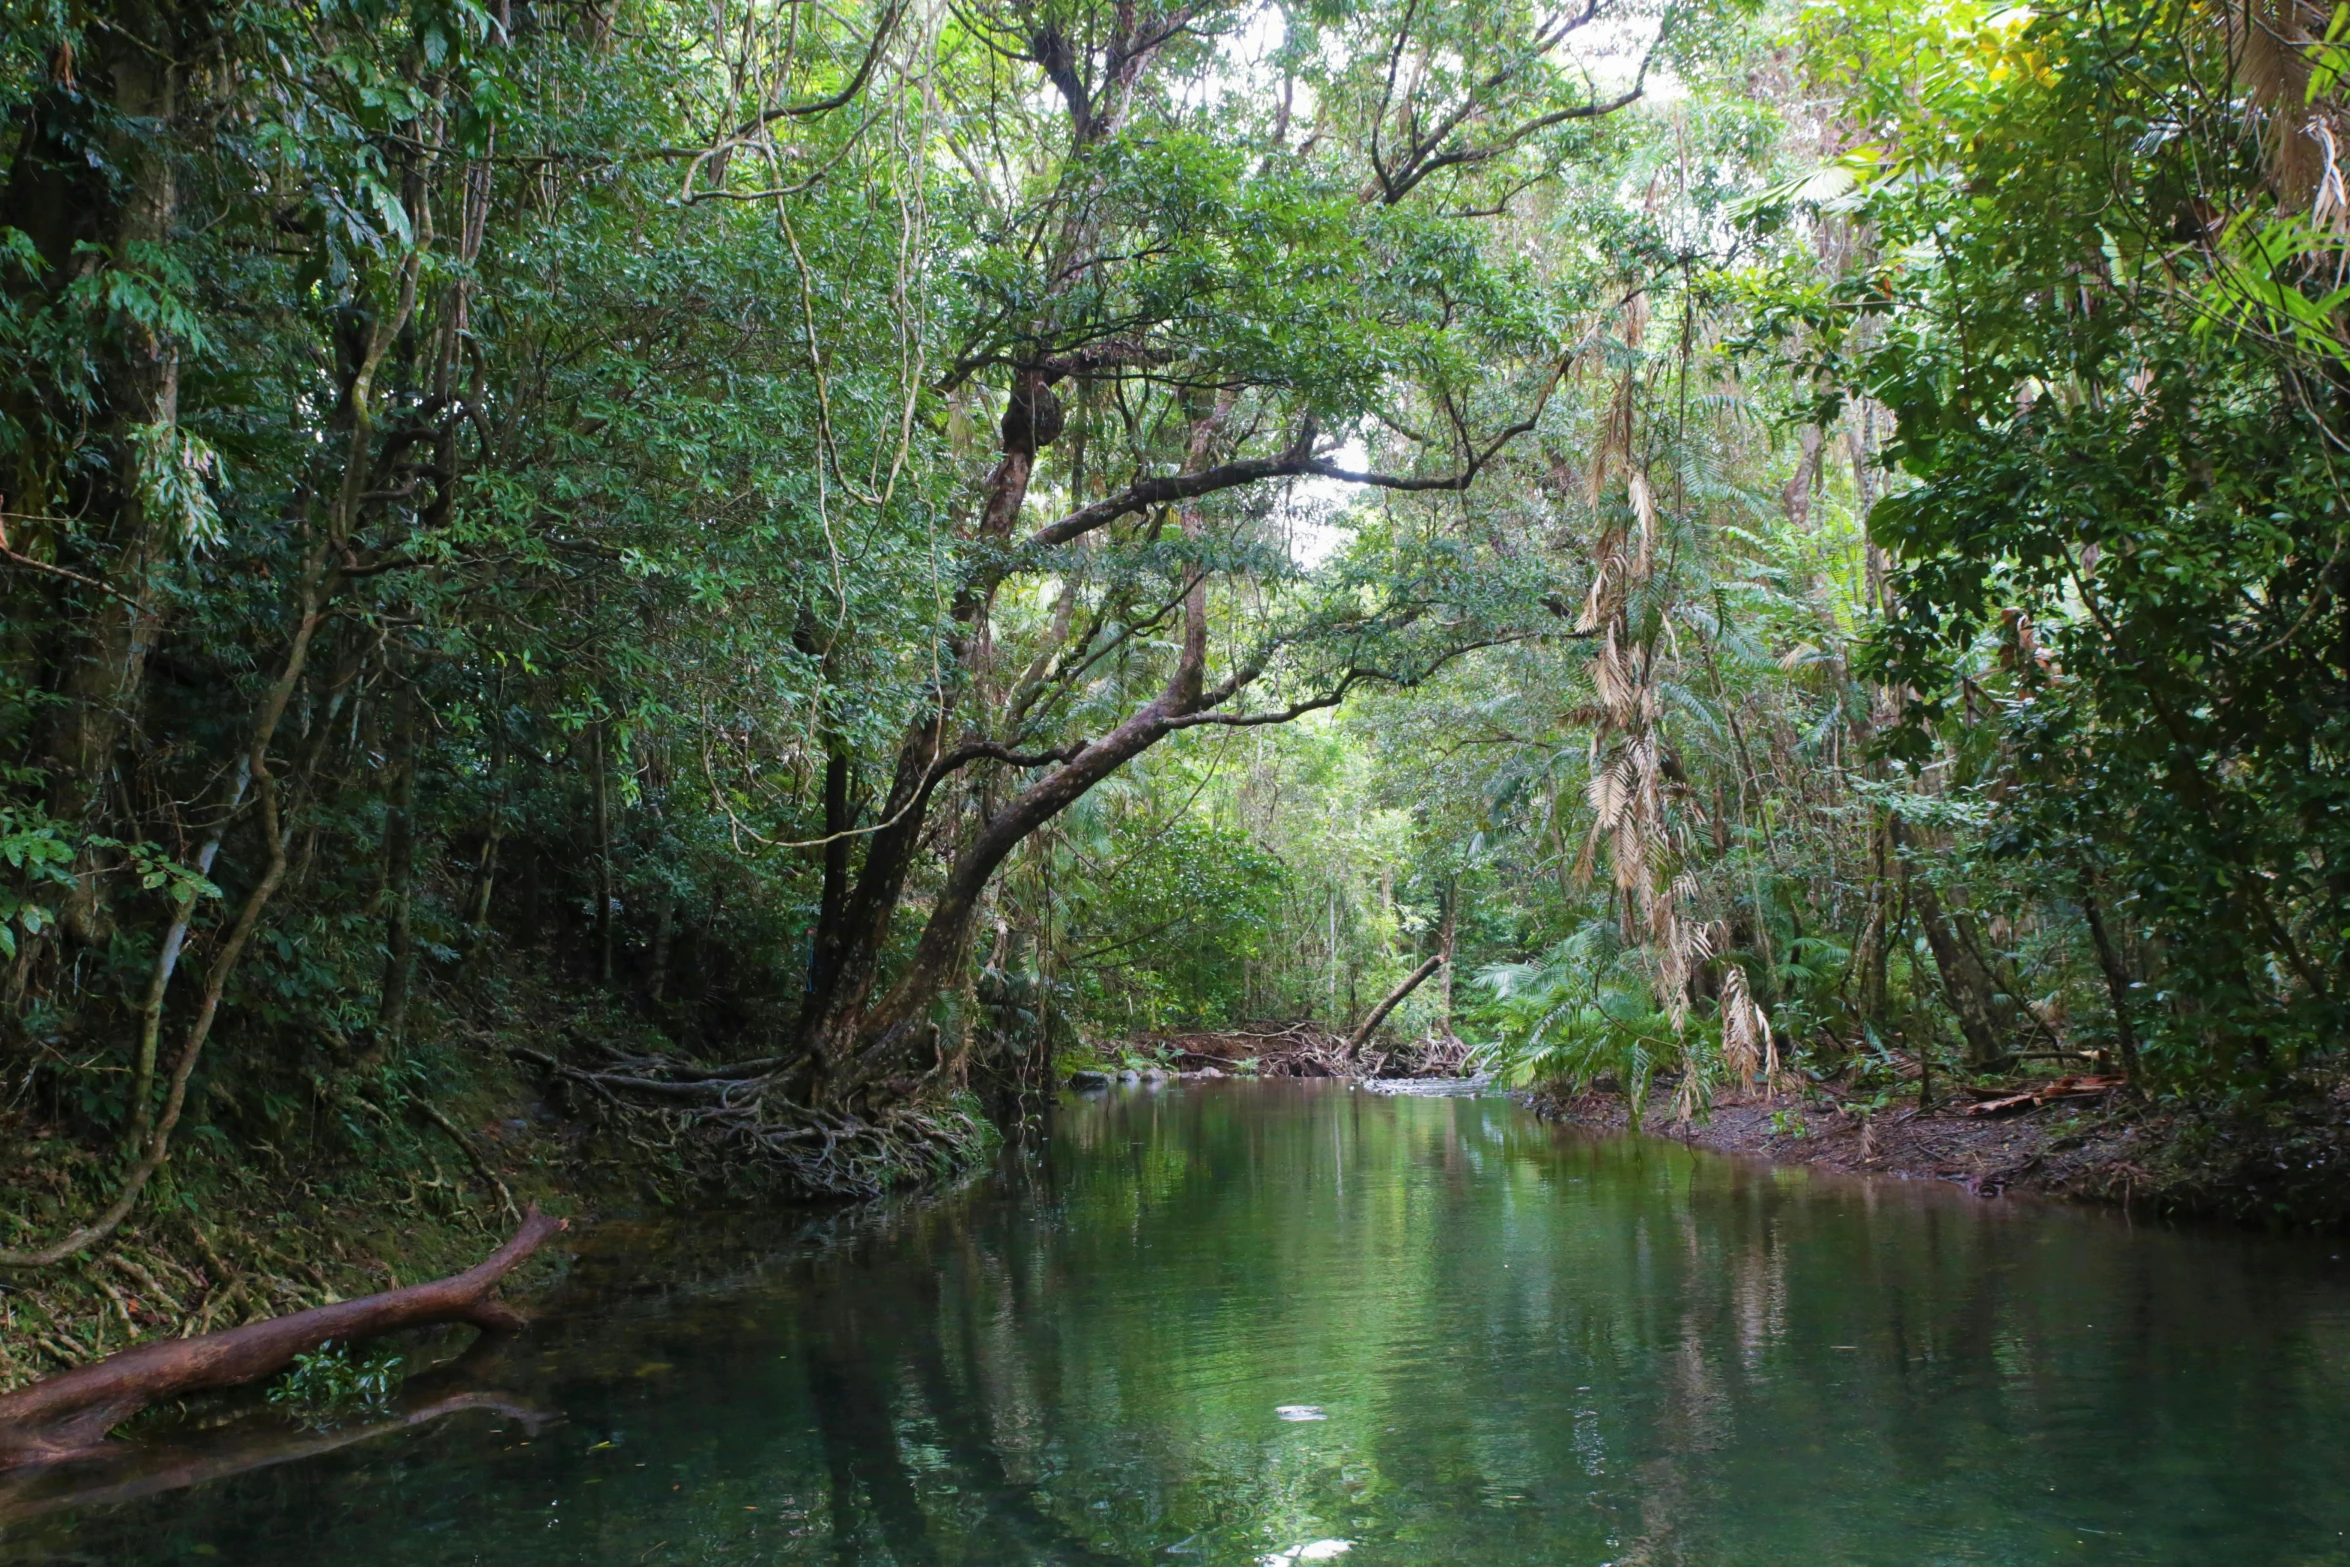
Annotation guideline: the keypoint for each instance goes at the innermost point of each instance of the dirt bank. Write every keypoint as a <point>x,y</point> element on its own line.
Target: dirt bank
<point>2285,1164</point>
<point>372,1180</point>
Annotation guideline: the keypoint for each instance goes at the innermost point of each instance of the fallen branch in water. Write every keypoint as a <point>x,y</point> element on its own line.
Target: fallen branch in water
<point>68,1415</point>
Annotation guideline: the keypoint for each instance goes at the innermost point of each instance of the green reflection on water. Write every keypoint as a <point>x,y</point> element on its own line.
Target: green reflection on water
<point>1523,1348</point>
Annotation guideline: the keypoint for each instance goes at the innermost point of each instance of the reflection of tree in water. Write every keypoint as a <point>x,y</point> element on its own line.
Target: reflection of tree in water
<point>906,1402</point>
<point>1530,1351</point>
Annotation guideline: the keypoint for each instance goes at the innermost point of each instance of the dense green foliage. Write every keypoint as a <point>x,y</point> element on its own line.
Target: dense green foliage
<point>555,510</point>
<point>888,543</point>
<point>1989,702</point>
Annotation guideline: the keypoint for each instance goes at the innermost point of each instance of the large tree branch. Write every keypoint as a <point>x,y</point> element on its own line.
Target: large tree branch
<point>831,101</point>
<point>1297,462</point>
<point>1403,184</point>
<point>69,1414</point>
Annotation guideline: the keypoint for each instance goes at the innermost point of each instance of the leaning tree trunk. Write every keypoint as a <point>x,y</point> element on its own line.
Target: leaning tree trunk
<point>399,972</point>
<point>887,1037</point>
<point>1395,998</point>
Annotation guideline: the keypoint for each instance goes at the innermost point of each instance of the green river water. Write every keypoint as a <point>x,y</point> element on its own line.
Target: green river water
<point>1223,1324</point>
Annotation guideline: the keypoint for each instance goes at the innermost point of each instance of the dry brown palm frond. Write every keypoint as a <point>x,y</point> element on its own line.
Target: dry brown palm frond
<point>2269,51</point>
<point>1598,604</point>
<point>1690,1099</point>
<point>1608,794</point>
<point>1615,441</point>
<point>1748,1046</point>
<point>1643,508</point>
<point>1615,680</point>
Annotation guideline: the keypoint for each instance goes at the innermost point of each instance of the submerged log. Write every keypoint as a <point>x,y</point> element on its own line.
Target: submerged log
<point>68,1415</point>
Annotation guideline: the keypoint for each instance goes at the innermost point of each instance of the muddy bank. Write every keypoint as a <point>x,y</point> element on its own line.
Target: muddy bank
<point>2286,1164</point>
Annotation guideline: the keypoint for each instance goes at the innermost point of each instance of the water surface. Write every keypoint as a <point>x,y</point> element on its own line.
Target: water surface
<point>1225,1324</point>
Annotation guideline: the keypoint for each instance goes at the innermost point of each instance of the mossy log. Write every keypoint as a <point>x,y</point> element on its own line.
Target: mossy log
<point>68,1415</point>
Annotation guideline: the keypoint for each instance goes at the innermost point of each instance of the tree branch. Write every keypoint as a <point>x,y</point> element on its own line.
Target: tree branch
<point>856,84</point>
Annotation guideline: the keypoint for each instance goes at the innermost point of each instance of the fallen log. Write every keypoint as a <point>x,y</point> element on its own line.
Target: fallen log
<point>68,1415</point>
<point>2070,1087</point>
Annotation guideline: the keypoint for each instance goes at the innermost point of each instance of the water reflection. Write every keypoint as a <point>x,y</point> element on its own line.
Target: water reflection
<point>1237,1324</point>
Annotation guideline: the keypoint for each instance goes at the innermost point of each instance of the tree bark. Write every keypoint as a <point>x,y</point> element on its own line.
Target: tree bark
<point>69,1415</point>
<point>1876,931</point>
<point>2117,981</point>
<point>391,1017</point>
<point>946,935</point>
<point>1444,948</point>
<point>107,670</point>
<point>485,870</point>
<point>824,946</point>
<point>167,959</point>
<point>604,889</point>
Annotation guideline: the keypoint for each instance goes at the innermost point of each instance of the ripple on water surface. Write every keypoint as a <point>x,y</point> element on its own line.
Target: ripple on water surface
<point>1239,1324</point>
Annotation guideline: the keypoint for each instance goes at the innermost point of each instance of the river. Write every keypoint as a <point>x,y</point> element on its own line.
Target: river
<point>1232,1323</point>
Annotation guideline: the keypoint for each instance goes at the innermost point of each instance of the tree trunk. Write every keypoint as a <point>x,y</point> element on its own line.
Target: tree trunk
<point>664,935</point>
<point>485,869</point>
<point>108,670</point>
<point>167,963</point>
<point>391,1014</point>
<point>2117,982</point>
<point>603,798</point>
<point>1869,961</point>
<point>881,1041</point>
<point>1370,1026</point>
<point>824,946</point>
<point>1964,981</point>
<point>1452,899</point>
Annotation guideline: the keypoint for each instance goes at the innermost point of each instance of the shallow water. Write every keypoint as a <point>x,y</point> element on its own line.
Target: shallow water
<point>1220,1323</point>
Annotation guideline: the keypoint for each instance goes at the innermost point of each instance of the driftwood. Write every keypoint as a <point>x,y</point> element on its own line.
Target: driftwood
<point>1307,1049</point>
<point>2060,1088</point>
<point>68,1415</point>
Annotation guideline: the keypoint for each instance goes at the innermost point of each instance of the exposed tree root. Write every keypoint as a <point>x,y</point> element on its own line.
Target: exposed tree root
<point>745,1109</point>
<point>69,1415</point>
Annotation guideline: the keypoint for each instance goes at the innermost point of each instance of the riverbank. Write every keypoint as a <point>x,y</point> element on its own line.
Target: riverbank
<point>2285,1165</point>
<point>357,1177</point>
<point>223,1242</point>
